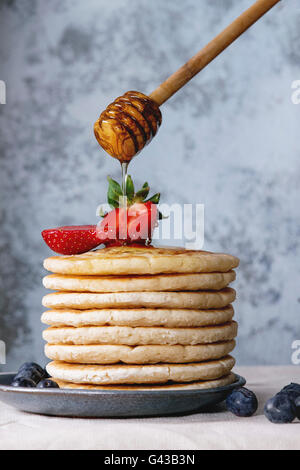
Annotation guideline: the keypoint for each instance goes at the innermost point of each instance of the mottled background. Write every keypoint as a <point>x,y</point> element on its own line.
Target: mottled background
<point>230,140</point>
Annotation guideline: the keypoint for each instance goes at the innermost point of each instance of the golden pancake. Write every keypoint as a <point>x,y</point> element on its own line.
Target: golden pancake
<point>140,374</point>
<point>176,318</point>
<point>200,385</point>
<point>141,260</point>
<point>124,335</point>
<point>162,282</point>
<point>150,354</point>
<point>193,300</point>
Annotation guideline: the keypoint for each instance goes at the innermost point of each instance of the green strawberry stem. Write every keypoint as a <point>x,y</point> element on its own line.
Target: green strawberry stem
<point>125,196</point>
<point>118,197</point>
<point>114,193</point>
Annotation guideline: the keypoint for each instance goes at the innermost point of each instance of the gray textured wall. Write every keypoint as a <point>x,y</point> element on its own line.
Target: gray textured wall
<point>229,140</point>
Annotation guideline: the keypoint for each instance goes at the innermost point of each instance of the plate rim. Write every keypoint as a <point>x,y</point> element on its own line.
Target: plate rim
<point>240,381</point>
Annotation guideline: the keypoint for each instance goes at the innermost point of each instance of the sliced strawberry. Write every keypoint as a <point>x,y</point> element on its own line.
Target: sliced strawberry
<point>71,240</point>
<point>123,226</point>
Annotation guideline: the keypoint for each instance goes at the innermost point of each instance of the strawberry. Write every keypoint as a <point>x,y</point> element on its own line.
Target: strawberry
<point>124,226</point>
<point>132,219</point>
<point>71,240</point>
<point>142,219</point>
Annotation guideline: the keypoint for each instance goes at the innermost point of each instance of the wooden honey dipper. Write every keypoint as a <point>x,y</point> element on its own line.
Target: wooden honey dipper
<point>132,120</point>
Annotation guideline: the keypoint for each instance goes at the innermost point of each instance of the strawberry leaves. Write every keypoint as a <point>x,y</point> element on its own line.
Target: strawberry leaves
<point>115,195</point>
<point>129,189</point>
<point>155,199</point>
<point>143,193</point>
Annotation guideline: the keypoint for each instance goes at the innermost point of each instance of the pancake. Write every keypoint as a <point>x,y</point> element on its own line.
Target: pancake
<point>123,335</point>
<point>140,374</point>
<point>112,354</point>
<point>193,300</point>
<point>176,318</point>
<point>163,282</point>
<point>141,260</point>
<point>200,385</point>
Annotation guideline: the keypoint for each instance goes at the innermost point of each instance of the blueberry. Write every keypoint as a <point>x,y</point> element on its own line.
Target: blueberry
<point>23,382</point>
<point>242,402</point>
<point>47,383</point>
<point>297,403</point>
<point>46,375</point>
<point>293,391</point>
<point>280,409</point>
<point>31,371</point>
<point>30,366</point>
<point>30,374</point>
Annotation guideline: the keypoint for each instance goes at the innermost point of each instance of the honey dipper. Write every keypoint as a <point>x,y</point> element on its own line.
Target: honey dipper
<point>132,120</point>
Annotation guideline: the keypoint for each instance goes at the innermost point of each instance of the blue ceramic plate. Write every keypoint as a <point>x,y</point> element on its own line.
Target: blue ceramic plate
<point>111,403</point>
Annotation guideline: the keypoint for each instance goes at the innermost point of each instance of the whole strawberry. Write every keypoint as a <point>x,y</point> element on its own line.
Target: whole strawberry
<point>133,217</point>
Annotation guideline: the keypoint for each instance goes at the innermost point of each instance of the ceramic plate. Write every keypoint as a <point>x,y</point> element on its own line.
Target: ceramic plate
<point>110,403</point>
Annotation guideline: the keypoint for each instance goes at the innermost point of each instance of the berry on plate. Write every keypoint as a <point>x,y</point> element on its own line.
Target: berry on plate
<point>29,371</point>
<point>32,366</point>
<point>47,383</point>
<point>242,402</point>
<point>23,382</point>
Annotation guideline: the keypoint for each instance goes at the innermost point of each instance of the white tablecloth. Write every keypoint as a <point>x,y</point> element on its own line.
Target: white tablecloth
<point>219,430</point>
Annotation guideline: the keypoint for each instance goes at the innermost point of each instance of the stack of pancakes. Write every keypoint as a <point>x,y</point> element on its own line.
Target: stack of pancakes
<point>140,317</point>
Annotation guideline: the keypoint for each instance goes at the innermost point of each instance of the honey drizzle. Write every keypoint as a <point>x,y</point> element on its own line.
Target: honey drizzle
<point>124,167</point>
